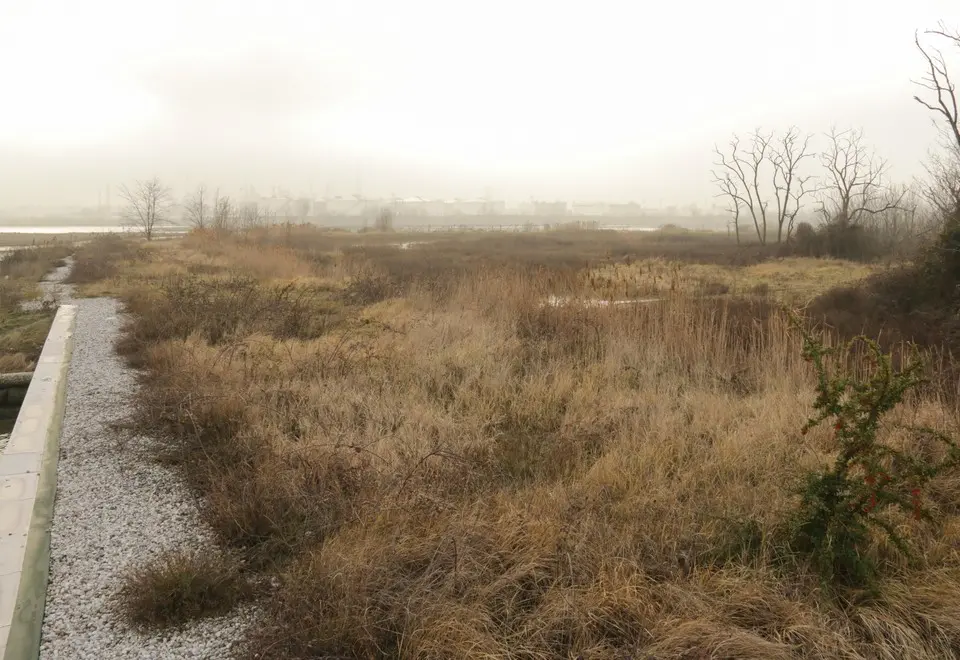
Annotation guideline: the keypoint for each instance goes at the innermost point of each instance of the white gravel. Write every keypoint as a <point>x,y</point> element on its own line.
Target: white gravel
<point>115,508</point>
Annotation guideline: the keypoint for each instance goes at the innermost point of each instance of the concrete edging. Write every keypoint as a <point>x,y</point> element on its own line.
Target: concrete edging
<point>28,485</point>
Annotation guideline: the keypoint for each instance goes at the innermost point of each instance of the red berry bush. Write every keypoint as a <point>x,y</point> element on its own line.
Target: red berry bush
<point>869,480</point>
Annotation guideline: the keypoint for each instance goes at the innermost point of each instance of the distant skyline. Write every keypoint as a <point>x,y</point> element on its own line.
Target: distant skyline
<point>611,101</point>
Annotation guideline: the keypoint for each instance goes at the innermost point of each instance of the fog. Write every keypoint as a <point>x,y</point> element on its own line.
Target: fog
<point>604,100</point>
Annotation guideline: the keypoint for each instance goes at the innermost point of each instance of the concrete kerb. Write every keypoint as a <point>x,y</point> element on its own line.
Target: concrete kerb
<point>28,484</point>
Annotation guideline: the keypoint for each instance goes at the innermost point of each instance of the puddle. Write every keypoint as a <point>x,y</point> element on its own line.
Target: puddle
<point>560,301</point>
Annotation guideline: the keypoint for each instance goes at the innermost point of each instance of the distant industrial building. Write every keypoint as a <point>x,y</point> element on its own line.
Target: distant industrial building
<point>630,209</point>
<point>589,208</point>
<point>550,208</point>
<point>354,206</point>
<point>421,207</point>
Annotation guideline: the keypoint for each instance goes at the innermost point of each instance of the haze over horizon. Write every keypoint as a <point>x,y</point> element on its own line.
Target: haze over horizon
<point>526,99</point>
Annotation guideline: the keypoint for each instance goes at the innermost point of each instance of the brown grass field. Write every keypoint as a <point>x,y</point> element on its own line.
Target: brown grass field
<point>431,463</point>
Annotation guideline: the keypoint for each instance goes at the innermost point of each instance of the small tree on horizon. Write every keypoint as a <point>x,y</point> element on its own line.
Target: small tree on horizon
<point>196,208</point>
<point>224,211</point>
<point>148,205</point>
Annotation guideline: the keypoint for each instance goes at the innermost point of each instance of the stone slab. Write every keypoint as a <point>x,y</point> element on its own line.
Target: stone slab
<point>11,553</point>
<point>19,462</point>
<point>18,486</point>
<point>27,487</point>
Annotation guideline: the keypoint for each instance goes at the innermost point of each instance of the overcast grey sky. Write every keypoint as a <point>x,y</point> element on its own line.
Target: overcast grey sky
<point>587,100</point>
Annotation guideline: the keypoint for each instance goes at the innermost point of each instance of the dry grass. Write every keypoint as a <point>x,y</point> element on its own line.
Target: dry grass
<point>179,586</point>
<point>22,334</point>
<point>21,271</point>
<point>27,239</point>
<point>792,280</point>
<point>436,465</point>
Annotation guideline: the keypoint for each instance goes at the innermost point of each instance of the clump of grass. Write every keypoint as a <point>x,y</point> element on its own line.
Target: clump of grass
<point>22,335</point>
<point>222,308</point>
<point>180,586</point>
<point>31,264</point>
<point>22,270</point>
<point>101,258</point>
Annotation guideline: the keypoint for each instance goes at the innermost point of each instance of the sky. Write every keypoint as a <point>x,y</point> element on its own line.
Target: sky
<point>519,99</point>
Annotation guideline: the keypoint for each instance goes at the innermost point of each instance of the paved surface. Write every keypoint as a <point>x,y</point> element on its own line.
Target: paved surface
<point>27,471</point>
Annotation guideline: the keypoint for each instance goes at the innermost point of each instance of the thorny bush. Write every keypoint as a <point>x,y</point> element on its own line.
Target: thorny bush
<point>869,480</point>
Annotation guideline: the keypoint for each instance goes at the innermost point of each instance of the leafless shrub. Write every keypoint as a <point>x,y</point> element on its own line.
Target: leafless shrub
<point>196,208</point>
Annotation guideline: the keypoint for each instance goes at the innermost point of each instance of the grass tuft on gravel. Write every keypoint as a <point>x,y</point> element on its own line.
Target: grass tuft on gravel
<point>181,586</point>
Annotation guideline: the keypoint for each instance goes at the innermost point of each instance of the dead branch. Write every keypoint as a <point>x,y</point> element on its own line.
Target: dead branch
<point>937,80</point>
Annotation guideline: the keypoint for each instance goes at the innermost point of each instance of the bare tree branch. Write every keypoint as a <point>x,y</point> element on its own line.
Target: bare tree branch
<point>223,211</point>
<point>728,189</point>
<point>197,208</point>
<point>148,205</point>
<point>854,184</point>
<point>790,187</point>
<point>942,187</point>
<point>761,143</point>
<point>937,80</point>
<point>254,216</point>
<point>735,180</point>
<point>743,178</point>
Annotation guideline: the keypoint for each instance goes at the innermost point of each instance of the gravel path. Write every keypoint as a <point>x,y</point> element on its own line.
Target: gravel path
<point>53,288</point>
<point>114,508</point>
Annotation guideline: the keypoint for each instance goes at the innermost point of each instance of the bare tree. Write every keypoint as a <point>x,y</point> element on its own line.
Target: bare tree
<point>223,211</point>
<point>253,216</point>
<point>789,185</point>
<point>148,205</point>
<point>901,227</point>
<point>854,185</point>
<point>942,190</point>
<point>728,189</point>
<point>739,179</point>
<point>197,208</point>
<point>763,177</point>
<point>942,187</point>
<point>937,80</point>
